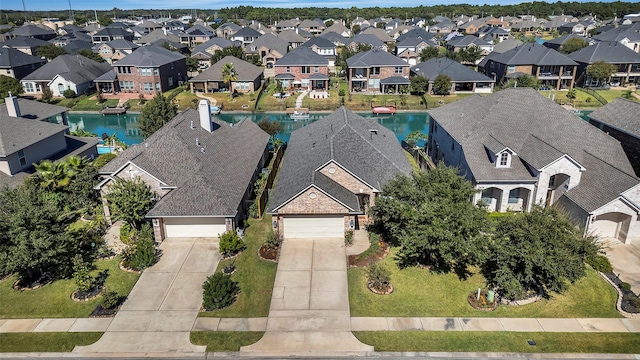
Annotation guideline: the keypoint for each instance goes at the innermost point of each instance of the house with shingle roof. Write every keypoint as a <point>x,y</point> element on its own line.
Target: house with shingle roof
<point>111,33</point>
<point>203,52</point>
<point>331,174</point>
<point>380,34</point>
<point>519,149</point>
<point>334,37</point>
<point>558,43</point>
<point>150,70</point>
<point>74,72</point>
<point>463,79</point>
<point>32,131</point>
<point>115,50</point>
<point>245,36</point>
<point>25,44</point>
<point>367,39</point>
<point>195,35</point>
<point>338,28</point>
<point>626,61</point>
<point>464,42</point>
<point>270,48</point>
<point>16,64</point>
<point>325,48</point>
<point>553,69</point>
<point>624,35</point>
<point>376,71</point>
<point>34,31</point>
<point>415,44</point>
<point>303,69</point>
<point>248,77</point>
<point>202,170</point>
<point>493,33</point>
<point>285,25</point>
<point>158,35</point>
<point>293,38</point>
<point>313,27</point>
<point>620,120</point>
<point>227,29</point>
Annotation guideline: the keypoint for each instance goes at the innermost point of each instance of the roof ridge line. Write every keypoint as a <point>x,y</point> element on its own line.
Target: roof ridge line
<point>611,165</point>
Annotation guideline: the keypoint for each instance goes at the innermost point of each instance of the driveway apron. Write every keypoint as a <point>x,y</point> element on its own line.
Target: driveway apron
<point>163,305</point>
<point>309,311</point>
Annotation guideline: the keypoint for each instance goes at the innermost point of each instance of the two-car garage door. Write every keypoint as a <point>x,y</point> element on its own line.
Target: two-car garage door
<point>313,227</point>
<point>194,227</point>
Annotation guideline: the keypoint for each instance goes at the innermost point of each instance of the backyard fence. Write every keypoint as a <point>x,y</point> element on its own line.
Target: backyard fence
<point>263,195</point>
<point>595,95</point>
<point>421,158</point>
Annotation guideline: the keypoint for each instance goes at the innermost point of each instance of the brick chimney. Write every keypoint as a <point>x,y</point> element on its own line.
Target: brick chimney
<point>13,109</point>
<point>205,115</point>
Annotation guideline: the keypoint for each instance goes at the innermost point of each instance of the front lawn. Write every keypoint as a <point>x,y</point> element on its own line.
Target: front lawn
<point>417,292</point>
<point>479,341</point>
<point>54,299</point>
<point>45,342</point>
<point>256,276</point>
<point>86,103</point>
<point>225,340</point>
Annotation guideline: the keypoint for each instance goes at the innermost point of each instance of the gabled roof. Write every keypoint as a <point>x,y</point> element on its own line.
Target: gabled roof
<point>433,67</point>
<point>375,57</point>
<point>379,33</point>
<point>564,38</point>
<point>621,114</point>
<point>271,42</point>
<point>230,25</point>
<point>411,42</point>
<point>320,42</point>
<point>32,30</point>
<point>75,68</point>
<point>11,58</point>
<point>467,40</point>
<point>291,36</point>
<point>198,30</point>
<point>113,31</point>
<point>158,34</point>
<point>617,34</point>
<point>247,32</point>
<point>539,130</point>
<point>608,51</point>
<point>245,71</point>
<point>209,183</point>
<point>150,56</point>
<point>365,39</point>
<point>74,46</point>
<point>121,44</point>
<point>221,42</point>
<point>285,23</point>
<point>416,33</point>
<point>307,23</point>
<point>532,53</point>
<point>334,37</point>
<point>24,41</point>
<point>34,110</point>
<point>506,45</point>
<point>337,27</point>
<point>363,147</point>
<point>302,56</point>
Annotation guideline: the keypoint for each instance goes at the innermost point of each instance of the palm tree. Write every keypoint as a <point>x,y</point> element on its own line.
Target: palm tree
<point>54,174</point>
<point>229,74</point>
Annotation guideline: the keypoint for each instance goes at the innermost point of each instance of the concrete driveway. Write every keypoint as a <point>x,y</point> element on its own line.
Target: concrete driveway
<point>625,259</point>
<point>163,305</point>
<point>309,312</point>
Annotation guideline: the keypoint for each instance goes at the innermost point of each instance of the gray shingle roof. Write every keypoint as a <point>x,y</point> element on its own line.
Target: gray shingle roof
<point>365,39</point>
<point>453,69</point>
<point>11,58</point>
<point>32,30</point>
<point>346,138</point>
<point>532,53</point>
<point>271,42</point>
<point>75,68</point>
<point>245,71</point>
<point>302,56</point>
<point>618,34</point>
<point>395,80</point>
<point>156,35</point>
<point>375,57</point>
<point>221,42</point>
<point>24,41</point>
<point>539,131</point>
<point>122,44</point>
<point>608,51</point>
<point>18,133</point>
<point>320,42</point>
<point>379,33</point>
<point>291,36</point>
<point>150,56</point>
<point>212,183</point>
<point>622,114</point>
<point>247,32</point>
<point>506,45</point>
<point>463,41</point>
<point>564,38</point>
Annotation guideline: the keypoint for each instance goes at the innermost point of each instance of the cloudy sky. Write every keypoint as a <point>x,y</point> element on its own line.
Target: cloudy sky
<point>199,4</point>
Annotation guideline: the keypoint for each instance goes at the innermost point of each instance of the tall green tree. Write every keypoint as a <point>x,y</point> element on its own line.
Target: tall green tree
<point>10,85</point>
<point>235,51</point>
<point>428,53</point>
<point>229,75</point>
<point>523,81</point>
<point>419,85</point>
<point>155,114</point>
<point>50,51</point>
<point>442,85</point>
<point>192,64</point>
<point>130,201</point>
<point>572,45</point>
<point>540,251</point>
<point>430,217</point>
<point>91,55</point>
<point>601,71</point>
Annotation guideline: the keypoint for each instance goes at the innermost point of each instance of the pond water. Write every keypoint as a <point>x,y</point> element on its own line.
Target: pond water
<point>126,126</point>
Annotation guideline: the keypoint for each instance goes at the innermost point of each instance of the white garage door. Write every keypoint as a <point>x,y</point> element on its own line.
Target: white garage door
<point>194,227</point>
<point>313,227</point>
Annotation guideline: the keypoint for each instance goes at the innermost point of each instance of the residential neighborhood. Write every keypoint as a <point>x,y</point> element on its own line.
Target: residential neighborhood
<point>320,181</point>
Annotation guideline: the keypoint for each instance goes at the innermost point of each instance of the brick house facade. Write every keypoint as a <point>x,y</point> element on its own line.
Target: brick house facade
<point>303,69</point>
<point>376,71</point>
<point>150,70</point>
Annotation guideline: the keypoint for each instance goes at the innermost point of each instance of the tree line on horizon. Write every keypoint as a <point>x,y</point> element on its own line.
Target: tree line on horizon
<point>268,15</point>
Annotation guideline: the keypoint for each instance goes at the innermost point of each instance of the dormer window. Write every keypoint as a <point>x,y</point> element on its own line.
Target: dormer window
<point>504,160</point>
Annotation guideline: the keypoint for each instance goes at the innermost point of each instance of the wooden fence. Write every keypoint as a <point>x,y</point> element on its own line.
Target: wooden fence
<point>263,196</point>
<point>424,162</point>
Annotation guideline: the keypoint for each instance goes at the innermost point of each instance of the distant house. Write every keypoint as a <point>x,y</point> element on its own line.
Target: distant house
<point>293,37</point>
<point>195,36</point>
<point>115,50</point>
<point>227,29</point>
<point>32,131</point>
<point>202,177</point>
<point>245,36</point>
<point>519,148</point>
<point>463,79</point>
<point>380,34</point>
<point>559,42</point>
<point>204,52</point>
<point>339,28</point>
<point>620,120</point>
<point>314,27</point>
<point>331,175</point>
<point>377,71</point>
<point>158,35</point>
<point>249,77</point>
<point>443,27</point>
<point>553,69</point>
<point>626,61</point>
<point>414,44</point>
<point>578,28</point>
<point>270,48</point>
<point>110,34</point>
<point>367,39</point>
<point>74,72</point>
<point>303,69</point>
<point>471,27</point>
<point>285,25</point>
<point>40,32</point>
<point>624,36</point>
<point>16,64</point>
<point>334,37</point>
<point>323,47</point>
<point>506,45</point>
<point>25,44</point>
<point>464,42</point>
<point>150,70</point>
<point>494,34</point>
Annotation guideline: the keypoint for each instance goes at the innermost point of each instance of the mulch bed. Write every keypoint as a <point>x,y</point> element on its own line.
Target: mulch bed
<point>630,300</point>
<point>268,254</point>
<point>124,268</point>
<point>100,312</point>
<point>87,295</point>
<point>43,280</point>
<point>381,253</point>
<point>480,306</point>
<point>387,291</point>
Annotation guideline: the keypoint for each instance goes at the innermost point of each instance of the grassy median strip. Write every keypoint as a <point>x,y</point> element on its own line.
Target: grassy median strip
<point>420,293</point>
<point>46,342</point>
<point>445,341</point>
<point>225,340</point>
<point>53,300</point>
<point>256,276</point>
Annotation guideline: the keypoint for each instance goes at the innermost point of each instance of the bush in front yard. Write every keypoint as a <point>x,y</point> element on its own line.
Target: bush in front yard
<point>599,263</point>
<point>219,292</point>
<point>142,253</point>
<point>69,94</point>
<point>230,243</point>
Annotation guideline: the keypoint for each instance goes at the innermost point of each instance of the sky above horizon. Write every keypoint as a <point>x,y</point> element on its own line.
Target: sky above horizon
<point>43,5</point>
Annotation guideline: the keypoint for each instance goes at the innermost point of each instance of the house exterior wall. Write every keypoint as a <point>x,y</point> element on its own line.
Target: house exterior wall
<point>296,72</point>
<point>561,166</point>
<point>618,206</point>
<point>348,181</point>
<point>442,147</point>
<point>133,171</point>
<point>34,153</point>
<point>19,72</point>
<point>59,82</point>
<point>304,204</point>
<point>168,76</point>
<point>630,144</point>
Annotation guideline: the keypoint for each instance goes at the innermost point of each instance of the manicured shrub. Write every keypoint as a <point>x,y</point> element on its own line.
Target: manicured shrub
<point>273,240</point>
<point>230,243</point>
<point>125,233</point>
<point>348,237</point>
<point>219,291</point>
<point>82,274</point>
<point>69,94</point>
<point>142,252</point>
<point>600,263</point>
<point>111,299</point>
<point>102,160</point>
<point>378,277</point>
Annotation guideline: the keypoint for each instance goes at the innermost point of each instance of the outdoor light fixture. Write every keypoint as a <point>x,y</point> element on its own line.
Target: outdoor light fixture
<point>352,224</point>
<point>275,224</point>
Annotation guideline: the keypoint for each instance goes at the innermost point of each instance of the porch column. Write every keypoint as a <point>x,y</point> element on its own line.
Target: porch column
<point>453,88</point>
<point>98,87</point>
<point>626,80</point>
<point>573,76</point>
<point>206,87</point>
<point>473,88</point>
<point>191,87</point>
<point>559,78</point>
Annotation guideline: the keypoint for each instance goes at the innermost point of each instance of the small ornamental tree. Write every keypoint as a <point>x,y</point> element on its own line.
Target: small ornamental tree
<point>428,53</point>
<point>442,85</point>
<point>601,71</point>
<point>130,200</point>
<point>230,243</point>
<point>82,274</point>
<point>270,127</point>
<point>419,85</point>
<point>47,95</point>
<point>219,292</point>
<point>155,113</point>
<point>572,45</point>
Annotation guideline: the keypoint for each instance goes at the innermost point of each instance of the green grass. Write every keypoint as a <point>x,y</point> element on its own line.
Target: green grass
<point>45,342</point>
<point>85,103</point>
<point>476,341</point>
<point>225,340</point>
<point>54,300</point>
<point>417,292</point>
<point>413,162</point>
<point>256,276</point>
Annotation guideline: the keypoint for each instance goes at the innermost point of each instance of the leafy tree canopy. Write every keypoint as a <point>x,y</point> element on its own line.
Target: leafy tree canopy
<point>50,51</point>
<point>10,85</point>
<point>155,114</point>
<point>130,201</point>
<point>523,81</point>
<point>235,51</point>
<point>572,45</point>
<point>270,127</point>
<point>442,85</point>
<point>428,53</point>
<point>91,55</point>
<point>601,71</point>
<point>419,85</point>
